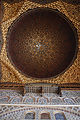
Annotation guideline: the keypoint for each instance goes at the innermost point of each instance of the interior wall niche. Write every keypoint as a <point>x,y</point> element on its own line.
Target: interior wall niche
<point>60,116</point>
<point>30,116</point>
<point>45,116</point>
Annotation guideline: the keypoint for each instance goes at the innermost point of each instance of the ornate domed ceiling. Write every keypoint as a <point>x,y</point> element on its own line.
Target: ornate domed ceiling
<point>48,53</point>
<point>41,43</point>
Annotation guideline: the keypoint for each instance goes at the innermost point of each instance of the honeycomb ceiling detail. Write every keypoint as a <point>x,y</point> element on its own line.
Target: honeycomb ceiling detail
<point>72,75</point>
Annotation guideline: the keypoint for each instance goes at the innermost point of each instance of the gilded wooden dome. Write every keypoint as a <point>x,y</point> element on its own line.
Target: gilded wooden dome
<point>41,43</point>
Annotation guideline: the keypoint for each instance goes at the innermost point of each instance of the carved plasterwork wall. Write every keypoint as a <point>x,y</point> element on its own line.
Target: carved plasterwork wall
<point>11,12</point>
<point>19,112</point>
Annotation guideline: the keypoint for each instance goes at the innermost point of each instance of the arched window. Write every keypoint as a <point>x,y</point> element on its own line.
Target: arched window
<point>60,116</point>
<point>30,115</point>
<point>45,116</point>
